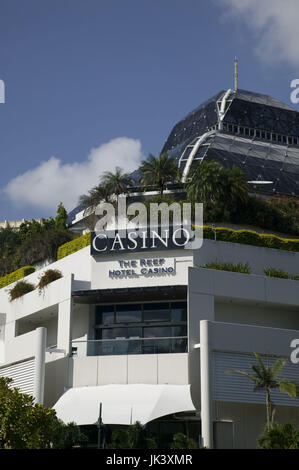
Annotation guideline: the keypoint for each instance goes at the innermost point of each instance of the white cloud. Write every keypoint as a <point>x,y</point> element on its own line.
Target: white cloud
<point>53,181</point>
<point>275,23</point>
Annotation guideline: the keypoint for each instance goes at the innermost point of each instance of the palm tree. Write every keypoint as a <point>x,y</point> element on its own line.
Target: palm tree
<point>95,196</point>
<point>157,171</point>
<point>236,187</point>
<point>267,378</point>
<point>206,184</point>
<point>117,182</point>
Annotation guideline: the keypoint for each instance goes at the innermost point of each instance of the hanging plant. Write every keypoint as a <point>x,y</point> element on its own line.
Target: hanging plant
<point>21,288</point>
<point>49,276</point>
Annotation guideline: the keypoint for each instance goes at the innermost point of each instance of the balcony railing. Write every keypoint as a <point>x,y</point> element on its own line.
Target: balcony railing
<point>125,346</point>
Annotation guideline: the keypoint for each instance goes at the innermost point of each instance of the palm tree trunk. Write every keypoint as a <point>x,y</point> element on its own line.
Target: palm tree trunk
<point>268,407</point>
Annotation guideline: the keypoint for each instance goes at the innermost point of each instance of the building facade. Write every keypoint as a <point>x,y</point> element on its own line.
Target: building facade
<point>151,335</point>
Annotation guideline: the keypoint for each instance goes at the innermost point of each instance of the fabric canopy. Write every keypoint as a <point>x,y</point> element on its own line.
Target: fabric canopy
<point>122,404</point>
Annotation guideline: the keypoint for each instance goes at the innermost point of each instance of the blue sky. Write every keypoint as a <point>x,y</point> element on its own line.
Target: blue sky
<point>91,84</point>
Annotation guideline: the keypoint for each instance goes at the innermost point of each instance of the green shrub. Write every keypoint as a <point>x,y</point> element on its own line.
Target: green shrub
<point>16,276</point>
<point>49,276</point>
<point>73,246</point>
<point>236,268</point>
<point>275,272</point>
<point>21,288</point>
<point>279,436</point>
<point>181,441</point>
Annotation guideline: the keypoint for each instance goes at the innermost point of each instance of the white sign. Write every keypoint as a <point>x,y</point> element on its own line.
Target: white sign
<point>143,267</point>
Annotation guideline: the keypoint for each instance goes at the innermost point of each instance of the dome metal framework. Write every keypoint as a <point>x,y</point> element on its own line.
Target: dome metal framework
<point>255,132</point>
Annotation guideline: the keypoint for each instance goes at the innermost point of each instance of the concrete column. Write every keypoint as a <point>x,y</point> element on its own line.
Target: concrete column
<point>65,319</point>
<point>40,356</point>
<point>206,385</point>
<point>64,328</point>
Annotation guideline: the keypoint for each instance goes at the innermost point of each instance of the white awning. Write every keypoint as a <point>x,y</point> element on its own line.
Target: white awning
<point>122,404</point>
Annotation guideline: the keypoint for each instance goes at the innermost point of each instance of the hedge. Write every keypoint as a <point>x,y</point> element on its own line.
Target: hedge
<point>73,246</point>
<point>249,237</point>
<point>16,275</point>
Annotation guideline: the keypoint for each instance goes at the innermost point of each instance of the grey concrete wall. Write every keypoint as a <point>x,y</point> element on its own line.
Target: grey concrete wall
<point>257,314</point>
<point>257,257</point>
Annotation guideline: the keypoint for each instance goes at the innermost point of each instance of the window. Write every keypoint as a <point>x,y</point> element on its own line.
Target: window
<point>156,312</point>
<point>178,312</point>
<point>105,315</point>
<point>128,313</point>
<point>141,328</point>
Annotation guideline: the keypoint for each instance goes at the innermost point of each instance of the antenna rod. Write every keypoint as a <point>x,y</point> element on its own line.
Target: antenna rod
<point>236,73</point>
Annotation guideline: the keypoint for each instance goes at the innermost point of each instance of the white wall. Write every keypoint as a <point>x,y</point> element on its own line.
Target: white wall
<point>101,264</point>
<point>143,368</point>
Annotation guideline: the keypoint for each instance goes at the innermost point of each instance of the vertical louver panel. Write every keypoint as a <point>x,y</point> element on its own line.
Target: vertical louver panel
<point>22,374</point>
<point>236,388</point>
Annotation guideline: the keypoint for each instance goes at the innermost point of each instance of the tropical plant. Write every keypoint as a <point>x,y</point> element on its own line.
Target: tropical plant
<point>26,425</point>
<point>19,289</point>
<point>48,276</point>
<point>133,437</point>
<point>217,186</point>
<point>96,195</point>
<point>206,183</point>
<point>266,377</point>
<point>279,436</point>
<point>181,441</point>
<point>158,171</point>
<point>117,182</point>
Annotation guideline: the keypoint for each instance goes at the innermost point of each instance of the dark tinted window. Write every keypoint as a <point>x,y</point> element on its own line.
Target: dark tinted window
<point>178,311</point>
<point>156,312</point>
<point>157,331</point>
<point>105,315</point>
<point>128,313</point>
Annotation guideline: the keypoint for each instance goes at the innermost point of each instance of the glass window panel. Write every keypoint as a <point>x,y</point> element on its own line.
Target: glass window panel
<point>112,333</point>
<point>128,313</point>
<point>179,330</point>
<point>178,311</point>
<point>134,332</point>
<point>105,315</point>
<point>179,345</point>
<point>156,331</point>
<point>258,134</point>
<point>156,312</point>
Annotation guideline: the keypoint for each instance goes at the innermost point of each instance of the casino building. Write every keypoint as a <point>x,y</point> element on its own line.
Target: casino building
<point>146,330</point>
